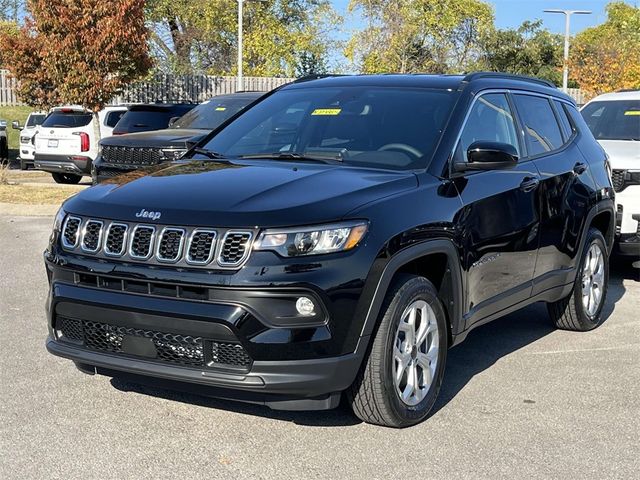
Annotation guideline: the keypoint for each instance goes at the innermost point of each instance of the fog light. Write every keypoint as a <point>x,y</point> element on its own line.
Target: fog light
<point>305,306</point>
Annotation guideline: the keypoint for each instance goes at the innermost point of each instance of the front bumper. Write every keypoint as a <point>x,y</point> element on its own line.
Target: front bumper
<point>79,165</point>
<point>294,367</point>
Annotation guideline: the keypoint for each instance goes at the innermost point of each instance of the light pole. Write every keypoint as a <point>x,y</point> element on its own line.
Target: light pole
<point>239,84</point>
<point>567,34</point>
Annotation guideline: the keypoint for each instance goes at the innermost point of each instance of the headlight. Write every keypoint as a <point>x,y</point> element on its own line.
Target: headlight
<point>293,242</point>
<point>173,153</point>
<point>25,139</point>
<point>59,218</point>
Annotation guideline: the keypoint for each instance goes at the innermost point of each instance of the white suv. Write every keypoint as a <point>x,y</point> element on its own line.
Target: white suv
<point>614,119</point>
<point>27,131</point>
<point>66,143</point>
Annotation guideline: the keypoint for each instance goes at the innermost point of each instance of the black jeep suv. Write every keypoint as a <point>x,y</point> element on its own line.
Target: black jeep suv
<point>124,153</point>
<point>338,237</point>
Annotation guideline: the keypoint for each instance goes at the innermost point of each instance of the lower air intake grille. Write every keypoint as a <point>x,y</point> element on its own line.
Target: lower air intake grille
<point>69,328</point>
<point>142,242</point>
<point>185,350</point>
<point>617,178</point>
<point>234,248</point>
<point>180,349</point>
<point>230,354</point>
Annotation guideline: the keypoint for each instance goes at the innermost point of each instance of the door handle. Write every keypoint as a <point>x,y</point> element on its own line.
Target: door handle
<point>579,168</point>
<point>529,183</point>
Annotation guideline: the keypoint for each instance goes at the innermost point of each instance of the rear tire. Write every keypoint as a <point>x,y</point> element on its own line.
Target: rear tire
<point>66,178</point>
<point>24,165</point>
<point>582,309</point>
<point>405,354</point>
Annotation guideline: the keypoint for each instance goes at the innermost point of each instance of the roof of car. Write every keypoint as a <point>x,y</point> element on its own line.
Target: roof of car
<point>621,95</point>
<point>160,106</point>
<point>246,95</point>
<point>481,80</point>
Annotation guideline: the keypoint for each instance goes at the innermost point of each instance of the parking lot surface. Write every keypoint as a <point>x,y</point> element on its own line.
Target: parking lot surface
<point>519,400</point>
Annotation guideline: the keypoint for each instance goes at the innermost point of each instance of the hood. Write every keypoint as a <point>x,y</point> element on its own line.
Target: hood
<point>259,193</point>
<point>167,138</point>
<point>623,154</point>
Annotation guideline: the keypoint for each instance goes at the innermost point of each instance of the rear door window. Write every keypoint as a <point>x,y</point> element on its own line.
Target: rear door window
<point>540,125</point>
<point>71,119</point>
<point>490,119</point>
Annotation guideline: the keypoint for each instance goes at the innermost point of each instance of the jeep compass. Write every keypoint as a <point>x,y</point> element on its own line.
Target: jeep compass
<point>337,238</point>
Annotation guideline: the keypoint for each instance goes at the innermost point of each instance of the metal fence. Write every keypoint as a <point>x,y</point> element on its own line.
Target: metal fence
<point>193,88</point>
<point>164,87</point>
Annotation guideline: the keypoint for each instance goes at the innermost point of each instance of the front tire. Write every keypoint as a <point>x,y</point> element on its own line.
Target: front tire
<point>399,381</point>
<point>582,309</point>
<point>66,178</point>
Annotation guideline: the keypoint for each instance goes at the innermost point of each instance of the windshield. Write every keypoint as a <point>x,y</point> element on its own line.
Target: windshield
<point>212,113</point>
<point>381,127</point>
<point>67,119</point>
<point>613,120</point>
<point>35,119</point>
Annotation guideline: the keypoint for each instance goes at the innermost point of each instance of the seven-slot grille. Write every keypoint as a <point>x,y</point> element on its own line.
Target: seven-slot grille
<point>142,242</point>
<point>235,248</point>
<point>92,235</point>
<point>115,243</point>
<point>131,155</point>
<point>617,178</point>
<point>157,244</point>
<point>184,350</point>
<point>170,244</point>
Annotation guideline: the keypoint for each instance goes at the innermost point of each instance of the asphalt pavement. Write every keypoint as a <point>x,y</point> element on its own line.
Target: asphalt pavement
<point>520,400</point>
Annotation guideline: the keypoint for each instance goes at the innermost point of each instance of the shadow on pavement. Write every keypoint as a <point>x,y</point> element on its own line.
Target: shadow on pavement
<point>482,349</point>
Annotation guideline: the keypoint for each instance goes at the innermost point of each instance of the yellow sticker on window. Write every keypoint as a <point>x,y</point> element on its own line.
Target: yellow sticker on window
<point>326,111</point>
<point>220,109</point>
<point>632,112</point>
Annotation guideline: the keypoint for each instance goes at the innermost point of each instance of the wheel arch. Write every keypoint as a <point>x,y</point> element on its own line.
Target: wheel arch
<point>438,261</point>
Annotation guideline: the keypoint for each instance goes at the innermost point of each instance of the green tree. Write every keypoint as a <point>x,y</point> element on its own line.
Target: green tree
<point>418,35</point>
<point>607,57</point>
<point>281,37</point>
<point>528,50</point>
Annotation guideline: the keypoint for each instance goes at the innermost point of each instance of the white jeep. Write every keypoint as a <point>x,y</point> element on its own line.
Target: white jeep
<point>614,119</point>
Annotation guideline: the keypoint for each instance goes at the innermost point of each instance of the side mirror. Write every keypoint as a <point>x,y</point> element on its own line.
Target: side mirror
<point>173,120</point>
<point>485,155</point>
<point>16,125</point>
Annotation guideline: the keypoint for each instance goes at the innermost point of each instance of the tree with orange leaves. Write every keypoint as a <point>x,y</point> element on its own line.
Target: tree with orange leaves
<point>606,58</point>
<point>77,51</point>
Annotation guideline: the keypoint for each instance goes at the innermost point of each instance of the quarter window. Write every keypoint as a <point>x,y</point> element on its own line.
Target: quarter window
<point>567,129</point>
<point>490,119</point>
<point>540,125</point>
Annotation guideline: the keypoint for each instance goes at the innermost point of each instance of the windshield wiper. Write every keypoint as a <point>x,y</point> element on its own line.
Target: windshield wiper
<point>326,158</point>
<point>209,153</point>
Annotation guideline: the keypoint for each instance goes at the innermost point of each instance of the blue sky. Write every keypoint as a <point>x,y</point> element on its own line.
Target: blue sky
<point>511,13</point>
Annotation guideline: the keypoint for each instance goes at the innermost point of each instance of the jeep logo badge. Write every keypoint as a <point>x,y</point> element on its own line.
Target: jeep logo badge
<point>147,214</point>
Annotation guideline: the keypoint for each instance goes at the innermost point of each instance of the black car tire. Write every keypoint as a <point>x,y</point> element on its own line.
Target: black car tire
<point>570,313</point>
<point>68,178</point>
<point>373,396</point>
<point>23,165</point>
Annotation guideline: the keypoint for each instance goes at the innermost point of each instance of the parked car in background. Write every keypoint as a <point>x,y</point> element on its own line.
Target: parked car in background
<point>4,142</point>
<point>124,153</point>
<point>66,143</point>
<point>614,120</point>
<point>27,132</point>
<point>153,116</point>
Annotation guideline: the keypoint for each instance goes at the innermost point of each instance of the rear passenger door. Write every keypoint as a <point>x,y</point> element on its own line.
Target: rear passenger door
<point>499,220</point>
<point>565,185</point>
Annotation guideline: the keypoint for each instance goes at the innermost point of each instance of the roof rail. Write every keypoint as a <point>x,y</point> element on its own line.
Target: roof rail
<point>315,76</point>
<point>625,90</point>
<point>508,76</point>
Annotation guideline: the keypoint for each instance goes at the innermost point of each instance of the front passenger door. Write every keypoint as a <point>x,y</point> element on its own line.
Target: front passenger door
<point>499,221</point>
